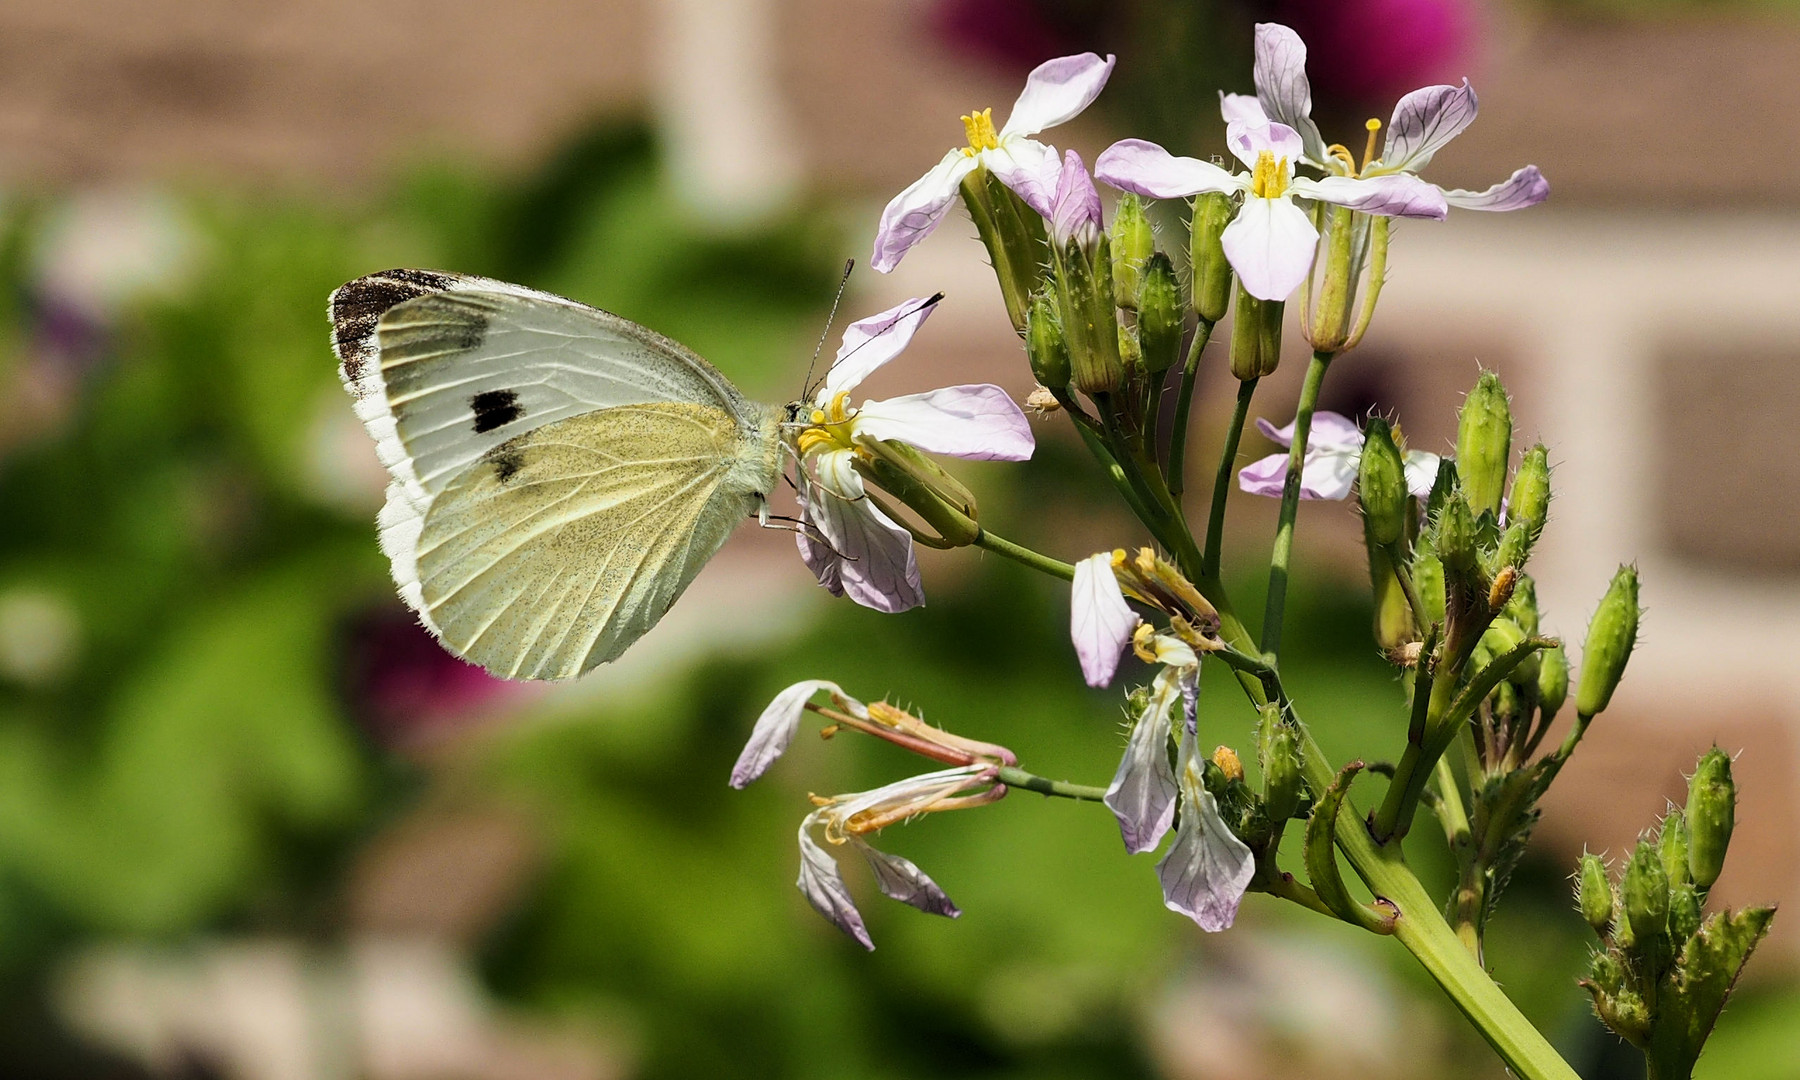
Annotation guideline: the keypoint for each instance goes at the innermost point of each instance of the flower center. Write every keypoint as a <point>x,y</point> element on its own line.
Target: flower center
<point>1269,176</point>
<point>831,427</point>
<point>979,126</point>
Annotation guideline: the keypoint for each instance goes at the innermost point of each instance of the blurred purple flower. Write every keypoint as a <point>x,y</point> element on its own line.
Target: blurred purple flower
<point>1375,50</point>
<point>406,689</point>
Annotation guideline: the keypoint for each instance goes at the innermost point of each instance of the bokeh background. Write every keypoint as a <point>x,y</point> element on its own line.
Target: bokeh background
<point>255,826</point>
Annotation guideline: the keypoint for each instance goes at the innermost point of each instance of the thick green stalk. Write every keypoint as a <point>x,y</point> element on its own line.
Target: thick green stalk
<point>1178,437</point>
<point>1062,789</point>
<point>1215,521</point>
<point>1283,551</point>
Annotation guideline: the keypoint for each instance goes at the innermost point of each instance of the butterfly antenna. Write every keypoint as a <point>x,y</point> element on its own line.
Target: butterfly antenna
<point>849,265</point>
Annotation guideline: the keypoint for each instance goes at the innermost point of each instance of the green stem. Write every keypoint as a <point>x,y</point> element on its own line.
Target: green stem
<point>1285,887</point>
<point>1062,789</point>
<point>1283,551</point>
<point>1019,553</point>
<point>1215,521</point>
<point>1178,437</point>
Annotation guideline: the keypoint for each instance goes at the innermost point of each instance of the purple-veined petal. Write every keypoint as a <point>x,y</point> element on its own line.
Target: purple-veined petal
<point>1147,169</point>
<point>815,551</point>
<point>980,422</point>
<point>1328,475</point>
<point>1248,141</point>
<point>1329,431</point>
<point>1391,195</point>
<point>872,342</point>
<point>1241,108</point>
<point>911,215</point>
<point>899,879</point>
<point>1527,187</point>
<point>1423,122</point>
<point>1264,476</point>
<point>1270,244</point>
<point>1100,622</point>
<point>1056,92</point>
<point>1075,210</point>
<point>1421,468</point>
<point>1029,167</point>
<point>823,886</point>
<point>1142,792</point>
<point>775,728</point>
<point>1207,868</point>
<point>875,564</point>
<point>1281,85</point>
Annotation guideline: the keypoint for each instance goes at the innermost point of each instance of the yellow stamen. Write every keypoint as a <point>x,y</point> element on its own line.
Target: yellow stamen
<point>1343,154</point>
<point>830,428</point>
<point>1142,644</point>
<point>979,127</point>
<point>1269,176</point>
<point>1227,760</point>
<point>1373,125</point>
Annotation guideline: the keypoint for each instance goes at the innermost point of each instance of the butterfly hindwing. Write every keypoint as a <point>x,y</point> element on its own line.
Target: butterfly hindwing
<point>563,546</point>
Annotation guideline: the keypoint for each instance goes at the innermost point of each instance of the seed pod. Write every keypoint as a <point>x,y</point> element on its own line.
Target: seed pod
<point>1594,894</point>
<point>1211,271</point>
<point>1044,342</point>
<point>1381,484</point>
<point>1610,638</point>
<point>1553,681</point>
<point>1711,815</point>
<point>1484,443</point>
<point>1160,315</point>
<point>1133,241</point>
<point>1646,892</point>
<point>1672,844</point>
<point>1279,744</point>
<point>1527,508</point>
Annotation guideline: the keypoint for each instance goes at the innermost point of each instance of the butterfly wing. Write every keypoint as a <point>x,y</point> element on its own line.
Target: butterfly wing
<point>524,452</point>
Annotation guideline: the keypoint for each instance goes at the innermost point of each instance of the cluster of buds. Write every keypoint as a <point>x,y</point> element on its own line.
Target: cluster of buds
<point>1667,967</point>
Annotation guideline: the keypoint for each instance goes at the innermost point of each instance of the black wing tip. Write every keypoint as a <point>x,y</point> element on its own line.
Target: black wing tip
<point>357,306</point>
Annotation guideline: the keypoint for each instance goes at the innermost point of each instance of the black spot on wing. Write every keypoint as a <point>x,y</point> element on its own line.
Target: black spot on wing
<point>357,306</point>
<point>506,459</point>
<point>494,408</point>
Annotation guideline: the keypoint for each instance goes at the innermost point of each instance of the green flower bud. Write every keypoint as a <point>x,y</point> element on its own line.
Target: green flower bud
<point>1711,815</point>
<point>1522,608</point>
<point>1160,315</point>
<point>1381,485</point>
<point>1089,321</point>
<point>1553,680</point>
<point>1393,612</point>
<point>1527,508</point>
<point>1013,234</point>
<point>1428,578</point>
<point>1211,272</point>
<point>1255,337</point>
<point>1646,892</point>
<point>1044,342</point>
<point>1453,539</point>
<point>1684,913</point>
<point>1594,894</point>
<point>1610,638</point>
<point>1133,242</point>
<point>1672,844</point>
<point>1484,443</point>
<point>1278,744</point>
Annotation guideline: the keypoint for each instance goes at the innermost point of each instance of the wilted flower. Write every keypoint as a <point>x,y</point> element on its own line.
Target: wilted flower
<point>1055,93</point>
<point>1207,869</point>
<point>849,543</point>
<point>1143,789</point>
<point>1101,625</point>
<point>1333,449</point>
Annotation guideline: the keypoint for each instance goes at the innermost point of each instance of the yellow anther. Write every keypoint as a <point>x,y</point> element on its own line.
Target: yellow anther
<point>840,407</point>
<point>1146,561</point>
<point>1143,644</point>
<point>818,416</point>
<point>1374,126</point>
<point>1269,176</point>
<point>1118,558</point>
<point>1227,760</point>
<point>980,129</point>
<point>1343,154</point>
<point>815,439</point>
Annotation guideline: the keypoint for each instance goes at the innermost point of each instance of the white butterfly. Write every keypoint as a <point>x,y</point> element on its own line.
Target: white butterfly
<point>559,474</point>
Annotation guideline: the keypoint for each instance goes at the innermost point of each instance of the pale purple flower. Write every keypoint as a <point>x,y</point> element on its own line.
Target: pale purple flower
<point>1423,122</point>
<point>844,821</point>
<point>1207,869</point>
<point>1100,622</point>
<point>1075,209</point>
<point>1055,93</point>
<point>775,728</point>
<point>1333,452</point>
<point>851,546</point>
<point>1270,241</point>
<point>1143,790</point>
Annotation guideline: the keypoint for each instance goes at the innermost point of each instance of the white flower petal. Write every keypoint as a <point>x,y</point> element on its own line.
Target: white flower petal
<point>899,879</point>
<point>911,215</point>
<point>1270,244</point>
<point>1100,622</point>
<point>815,551</point>
<point>1522,189</point>
<point>1143,790</point>
<point>823,886</point>
<point>836,470</point>
<point>1421,472</point>
<point>1056,92</point>
<point>1147,169</point>
<point>1028,167</point>
<point>775,728</point>
<point>869,343</point>
<point>1242,108</point>
<point>1392,195</point>
<point>1264,476</point>
<point>875,564</point>
<point>1207,868</point>
<point>1281,85</point>
<point>977,422</point>
<point>1423,122</point>
<point>1248,141</point>
<point>1328,475</point>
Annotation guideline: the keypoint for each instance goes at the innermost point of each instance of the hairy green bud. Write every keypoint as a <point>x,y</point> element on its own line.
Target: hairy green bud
<point>1381,484</point>
<point>1711,815</point>
<point>1133,242</point>
<point>1211,271</point>
<point>1484,443</point>
<point>1610,638</point>
<point>1553,680</point>
<point>1160,315</point>
<point>1044,342</point>
<point>1646,892</point>
<point>1672,844</point>
<point>1089,320</point>
<point>1594,894</point>
<point>1454,539</point>
<point>1255,337</point>
<point>1279,746</point>
<point>1684,913</point>
<point>1527,508</point>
